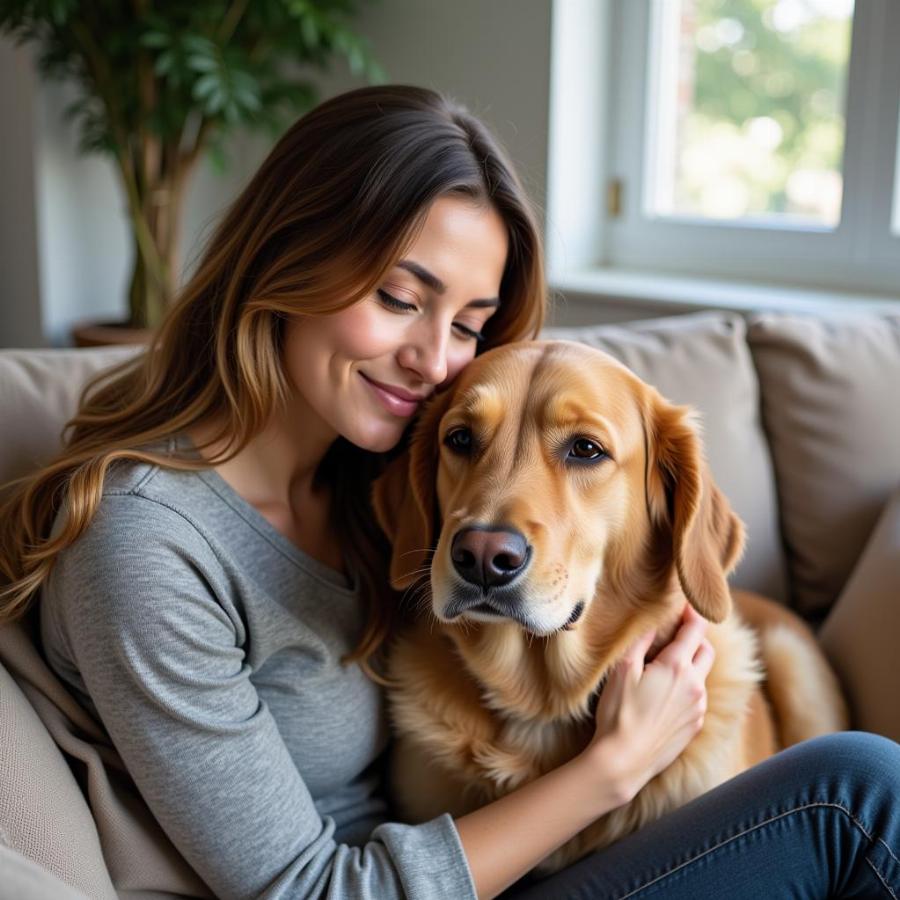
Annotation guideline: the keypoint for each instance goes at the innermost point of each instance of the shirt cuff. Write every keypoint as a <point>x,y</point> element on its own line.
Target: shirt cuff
<point>429,858</point>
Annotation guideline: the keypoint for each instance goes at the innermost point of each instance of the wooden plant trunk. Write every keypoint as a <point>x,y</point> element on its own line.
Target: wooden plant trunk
<point>154,281</point>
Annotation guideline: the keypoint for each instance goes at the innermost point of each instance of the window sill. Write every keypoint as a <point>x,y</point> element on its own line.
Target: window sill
<point>682,293</point>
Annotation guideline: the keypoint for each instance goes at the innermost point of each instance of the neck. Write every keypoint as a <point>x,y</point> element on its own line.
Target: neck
<point>278,464</point>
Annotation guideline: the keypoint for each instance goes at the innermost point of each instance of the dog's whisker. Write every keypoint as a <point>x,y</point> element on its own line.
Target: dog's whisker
<point>418,585</point>
<point>430,550</point>
<point>418,574</point>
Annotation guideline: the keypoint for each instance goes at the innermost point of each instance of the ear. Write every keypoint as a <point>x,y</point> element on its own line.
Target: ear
<point>403,498</point>
<point>707,535</point>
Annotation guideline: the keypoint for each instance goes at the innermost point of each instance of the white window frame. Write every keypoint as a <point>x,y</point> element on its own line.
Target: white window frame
<point>599,120</point>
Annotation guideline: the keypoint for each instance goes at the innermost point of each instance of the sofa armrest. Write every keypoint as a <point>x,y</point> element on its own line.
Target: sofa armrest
<point>860,634</point>
<point>23,879</point>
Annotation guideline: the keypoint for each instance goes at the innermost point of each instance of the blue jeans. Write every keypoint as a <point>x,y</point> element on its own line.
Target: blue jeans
<point>820,819</point>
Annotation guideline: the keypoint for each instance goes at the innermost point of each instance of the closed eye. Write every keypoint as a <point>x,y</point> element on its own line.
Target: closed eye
<point>393,303</point>
<point>468,332</point>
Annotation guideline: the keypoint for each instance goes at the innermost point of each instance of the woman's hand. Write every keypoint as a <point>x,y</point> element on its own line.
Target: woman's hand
<point>647,714</point>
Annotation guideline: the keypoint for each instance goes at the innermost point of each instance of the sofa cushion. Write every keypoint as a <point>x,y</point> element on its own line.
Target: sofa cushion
<point>702,360</point>
<point>39,392</point>
<point>860,634</point>
<point>43,814</point>
<point>140,859</point>
<point>22,879</point>
<point>830,398</point>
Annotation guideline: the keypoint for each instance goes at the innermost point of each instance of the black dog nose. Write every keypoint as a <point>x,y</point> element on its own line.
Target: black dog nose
<point>489,557</point>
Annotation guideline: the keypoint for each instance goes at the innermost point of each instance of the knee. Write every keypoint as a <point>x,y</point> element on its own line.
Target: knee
<point>859,757</point>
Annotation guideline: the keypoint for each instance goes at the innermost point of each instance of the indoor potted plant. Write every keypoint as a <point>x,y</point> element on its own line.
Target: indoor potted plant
<point>161,84</point>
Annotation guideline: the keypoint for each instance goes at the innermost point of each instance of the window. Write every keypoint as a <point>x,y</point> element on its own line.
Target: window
<point>752,140</point>
<point>746,110</point>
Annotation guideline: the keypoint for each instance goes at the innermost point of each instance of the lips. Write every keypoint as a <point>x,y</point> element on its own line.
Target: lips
<point>395,400</point>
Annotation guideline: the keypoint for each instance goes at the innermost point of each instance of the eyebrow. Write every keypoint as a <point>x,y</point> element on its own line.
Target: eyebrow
<point>437,285</point>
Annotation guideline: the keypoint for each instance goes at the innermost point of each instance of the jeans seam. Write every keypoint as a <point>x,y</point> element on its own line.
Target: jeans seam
<point>768,821</point>
<point>880,877</point>
<point>890,852</point>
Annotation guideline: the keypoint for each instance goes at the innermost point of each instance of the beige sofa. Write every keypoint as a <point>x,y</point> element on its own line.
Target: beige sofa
<point>802,429</point>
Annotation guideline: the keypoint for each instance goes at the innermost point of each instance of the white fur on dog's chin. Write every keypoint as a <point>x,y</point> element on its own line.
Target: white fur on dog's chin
<point>539,626</point>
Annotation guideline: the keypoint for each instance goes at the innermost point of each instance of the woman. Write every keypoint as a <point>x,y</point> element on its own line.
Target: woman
<point>210,574</point>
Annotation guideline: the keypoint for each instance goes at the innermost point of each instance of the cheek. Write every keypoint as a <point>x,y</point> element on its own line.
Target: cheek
<point>361,332</point>
<point>458,359</point>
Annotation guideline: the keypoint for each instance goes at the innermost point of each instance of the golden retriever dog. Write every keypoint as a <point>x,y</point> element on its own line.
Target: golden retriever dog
<point>551,509</point>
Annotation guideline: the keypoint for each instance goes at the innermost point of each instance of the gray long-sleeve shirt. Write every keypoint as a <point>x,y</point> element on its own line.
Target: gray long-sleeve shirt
<point>208,646</point>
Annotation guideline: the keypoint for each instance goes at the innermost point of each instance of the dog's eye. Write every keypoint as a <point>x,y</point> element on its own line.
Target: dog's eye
<point>459,440</point>
<point>584,448</point>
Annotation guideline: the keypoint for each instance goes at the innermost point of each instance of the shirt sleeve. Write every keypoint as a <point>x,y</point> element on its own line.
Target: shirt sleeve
<point>162,660</point>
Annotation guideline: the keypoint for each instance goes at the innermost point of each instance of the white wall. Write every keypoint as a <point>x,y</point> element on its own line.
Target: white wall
<point>20,313</point>
<point>493,56</point>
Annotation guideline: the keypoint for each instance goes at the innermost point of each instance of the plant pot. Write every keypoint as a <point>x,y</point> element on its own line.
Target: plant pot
<point>105,334</point>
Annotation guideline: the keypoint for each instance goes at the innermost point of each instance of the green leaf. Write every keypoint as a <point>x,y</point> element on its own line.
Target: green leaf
<point>201,63</point>
<point>155,39</point>
<point>165,63</point>
<point>357,60</point>
<point>232,113</point>
<point>59,11</point>
<point>310,31</point>
<point>376,74</point>
<point>205,85</point>
<point>298,8</point>
<point>216,101</point>
<point>217,155</point>
<point>248,101</point>
<point>199,44</point>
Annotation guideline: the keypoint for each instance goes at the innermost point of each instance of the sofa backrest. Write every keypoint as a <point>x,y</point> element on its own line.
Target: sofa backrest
<point>39,392</point>
<point>830,389</point>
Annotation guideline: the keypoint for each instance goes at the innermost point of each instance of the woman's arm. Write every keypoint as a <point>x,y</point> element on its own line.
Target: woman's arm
<point>505,839</point>
<point>142,608</point>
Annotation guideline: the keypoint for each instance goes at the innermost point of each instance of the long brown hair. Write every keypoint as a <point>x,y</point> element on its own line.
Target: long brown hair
<point>331,209</point>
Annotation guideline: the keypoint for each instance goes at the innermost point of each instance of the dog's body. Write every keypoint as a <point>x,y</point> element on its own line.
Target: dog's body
<point>549,563</point>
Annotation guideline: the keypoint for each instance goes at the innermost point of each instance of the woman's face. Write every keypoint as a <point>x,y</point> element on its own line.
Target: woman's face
<point>362,373</point>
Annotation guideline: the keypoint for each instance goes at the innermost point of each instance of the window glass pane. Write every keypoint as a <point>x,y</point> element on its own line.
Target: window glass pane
<point>747,112</point>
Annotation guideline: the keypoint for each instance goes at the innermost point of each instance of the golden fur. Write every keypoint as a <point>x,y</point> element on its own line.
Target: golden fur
<point>484,703</point>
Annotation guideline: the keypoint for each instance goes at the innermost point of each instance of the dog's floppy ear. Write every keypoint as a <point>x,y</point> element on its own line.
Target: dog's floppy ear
<point>707,536</point>
<point>403,498</point>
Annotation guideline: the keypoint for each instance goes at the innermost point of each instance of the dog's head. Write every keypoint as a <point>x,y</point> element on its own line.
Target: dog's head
<point>544,471</point>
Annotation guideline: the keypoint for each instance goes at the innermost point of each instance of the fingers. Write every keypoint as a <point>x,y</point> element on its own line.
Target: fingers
<point>690,635</point>
<point>631,664</point>
<point>704,658</point>
<point>638,650</point>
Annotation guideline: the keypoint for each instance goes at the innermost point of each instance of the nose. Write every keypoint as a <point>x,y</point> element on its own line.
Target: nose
<point>426,354</point>
<point>489,557</point>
